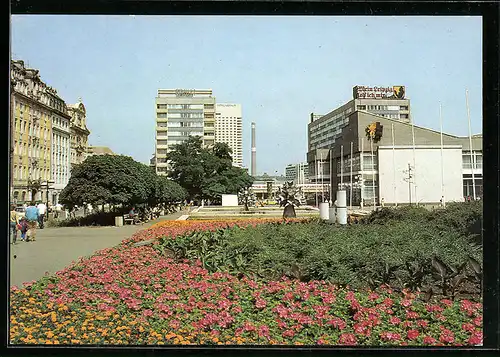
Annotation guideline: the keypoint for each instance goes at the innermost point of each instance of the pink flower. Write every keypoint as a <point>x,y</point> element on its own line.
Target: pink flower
<point>412,315</point>
<point>468,327</point>
<point>260,303</point>
<point>390,336</point>
<point>447,336</point>
<point>347,339</point>
<point>406,302</point>
<point>412,334</point>
<point>147,312</point>
<point>478,321</point>
<point>447,302</point>
<point>373,296</point>
<point>428,340</point>
<point>422,323</point>
<point>394,320</point>
<point>476,338</point>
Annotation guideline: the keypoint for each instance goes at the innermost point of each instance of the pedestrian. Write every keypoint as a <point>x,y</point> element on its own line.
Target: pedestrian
<point>42,209</point>
<point>23,228</point>
<point>382,202</point>
<point>14,221</point>
<point>32,220</point>
<point>57,210</point>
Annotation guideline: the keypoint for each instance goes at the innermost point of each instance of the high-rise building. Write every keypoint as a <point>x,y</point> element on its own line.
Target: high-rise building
<point>79,132</point>
<point>39,136</point>
<point>297,172</point>
<point>324,130</point>
<point>181,113</point>
<point>228,129</point>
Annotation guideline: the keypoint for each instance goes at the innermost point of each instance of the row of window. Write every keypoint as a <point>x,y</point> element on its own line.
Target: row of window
<point>21,173</point>
<point>382,107</point>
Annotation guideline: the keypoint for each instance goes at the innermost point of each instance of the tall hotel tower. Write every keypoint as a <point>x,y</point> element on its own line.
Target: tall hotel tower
<point>181,113</point>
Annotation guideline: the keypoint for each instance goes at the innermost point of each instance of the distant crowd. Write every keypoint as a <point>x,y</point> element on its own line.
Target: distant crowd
<point>28,219</point>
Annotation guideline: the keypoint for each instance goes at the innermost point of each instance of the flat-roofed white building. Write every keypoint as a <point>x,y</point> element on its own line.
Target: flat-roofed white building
<point>228,129</point>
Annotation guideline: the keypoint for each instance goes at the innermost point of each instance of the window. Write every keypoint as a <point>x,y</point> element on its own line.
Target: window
<point>404,116</point>
<point>403,107</point>
<point>161,115</point>
<point>361,107</point>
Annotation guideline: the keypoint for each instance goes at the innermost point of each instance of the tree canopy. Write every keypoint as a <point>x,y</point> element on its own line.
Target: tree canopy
<point>118,179</point>
<point>206,173</point>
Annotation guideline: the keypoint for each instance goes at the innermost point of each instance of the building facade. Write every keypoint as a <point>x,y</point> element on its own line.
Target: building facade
<point>79,132</point>
<point>61,146</point>
<point>324,130</point>
<point>298,173</point>
<point>391,168</point>
<point>182,113</point>
<point>31,112</point>
<point>228,129</point>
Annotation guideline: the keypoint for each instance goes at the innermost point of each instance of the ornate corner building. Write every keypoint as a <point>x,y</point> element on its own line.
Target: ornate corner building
<point>41,131</point>
<point>79,133</point>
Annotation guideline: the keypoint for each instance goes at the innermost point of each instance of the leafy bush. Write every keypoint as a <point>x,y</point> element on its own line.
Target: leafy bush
<point>359,256</point>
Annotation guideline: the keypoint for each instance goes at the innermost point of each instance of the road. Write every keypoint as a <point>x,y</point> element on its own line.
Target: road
<point>55,248</point>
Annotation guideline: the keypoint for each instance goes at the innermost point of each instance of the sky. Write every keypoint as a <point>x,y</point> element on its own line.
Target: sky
<point>280,69</point>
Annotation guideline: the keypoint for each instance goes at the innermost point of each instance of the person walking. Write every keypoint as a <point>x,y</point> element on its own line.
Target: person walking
<point>23,228</point>
<point>14,221</point>
<point>57,210</point>
<point>42,209</point>
<point>32,220</point>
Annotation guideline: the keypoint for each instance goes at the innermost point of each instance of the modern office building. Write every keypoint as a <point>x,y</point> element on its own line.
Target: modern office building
<point>39,136</point>
<point>298,173</point>
<point>324,130</point>
<point>391,168</point>
<point>228,129</point>
<point>182,113</point>
<point>79,132</point>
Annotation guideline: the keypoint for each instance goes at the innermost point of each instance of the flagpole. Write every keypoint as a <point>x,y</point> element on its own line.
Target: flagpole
<point>316,169</point>
<point>394,164</point>
<point>350,180</point>
<point>373,174</point>
<point>331,178</point>
<point>322,186</point>
<point>341,167</point>
<point>361,160</point>
<point>414,160</point>
<point>442,159</point>
<point>470,146</point>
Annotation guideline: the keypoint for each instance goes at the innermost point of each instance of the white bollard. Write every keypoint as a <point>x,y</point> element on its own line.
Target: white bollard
<point>323,210</point>
<point>119,221</point>
<point>341,207</point>
<point>333,215</point>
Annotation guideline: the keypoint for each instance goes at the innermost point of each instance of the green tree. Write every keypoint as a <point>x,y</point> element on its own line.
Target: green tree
<point>206,173</point>
<point>113,179</point>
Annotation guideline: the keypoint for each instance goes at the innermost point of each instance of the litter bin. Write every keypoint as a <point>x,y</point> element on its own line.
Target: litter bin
<point>119,221</point>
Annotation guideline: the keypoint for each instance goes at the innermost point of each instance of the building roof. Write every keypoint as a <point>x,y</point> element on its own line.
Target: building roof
<point>99,150</point>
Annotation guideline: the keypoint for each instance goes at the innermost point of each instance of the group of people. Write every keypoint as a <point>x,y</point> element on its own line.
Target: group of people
<point>34,216</point>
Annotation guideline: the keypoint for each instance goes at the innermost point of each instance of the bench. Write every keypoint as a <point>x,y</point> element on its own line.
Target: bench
<point>127,218</point>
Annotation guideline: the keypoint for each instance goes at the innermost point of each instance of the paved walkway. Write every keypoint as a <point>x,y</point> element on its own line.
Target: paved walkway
<point>55,248</point>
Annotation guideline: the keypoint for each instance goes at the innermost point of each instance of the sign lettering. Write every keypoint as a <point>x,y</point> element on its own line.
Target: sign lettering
<point>184,92</point>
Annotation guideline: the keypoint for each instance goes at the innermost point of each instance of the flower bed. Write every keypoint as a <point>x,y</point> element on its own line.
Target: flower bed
<point>133,295</point>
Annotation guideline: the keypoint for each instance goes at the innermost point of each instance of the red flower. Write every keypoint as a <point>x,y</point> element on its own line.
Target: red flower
<point>422,323</point>
<point>476,338</point>
<point>394,320</point>
<point>447,336</point>
<point>411,315</point>
<point>347,339</point>
<point>478,321</point>
<point>390,336</point>
<point>412,334</point>
<point>447,302</point>
<point>468,327</point>
<point>373,296</point>
<point>428,340</point>
<point>406,302</point>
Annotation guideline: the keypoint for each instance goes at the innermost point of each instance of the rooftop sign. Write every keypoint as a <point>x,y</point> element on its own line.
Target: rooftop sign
<point>363,92</point>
